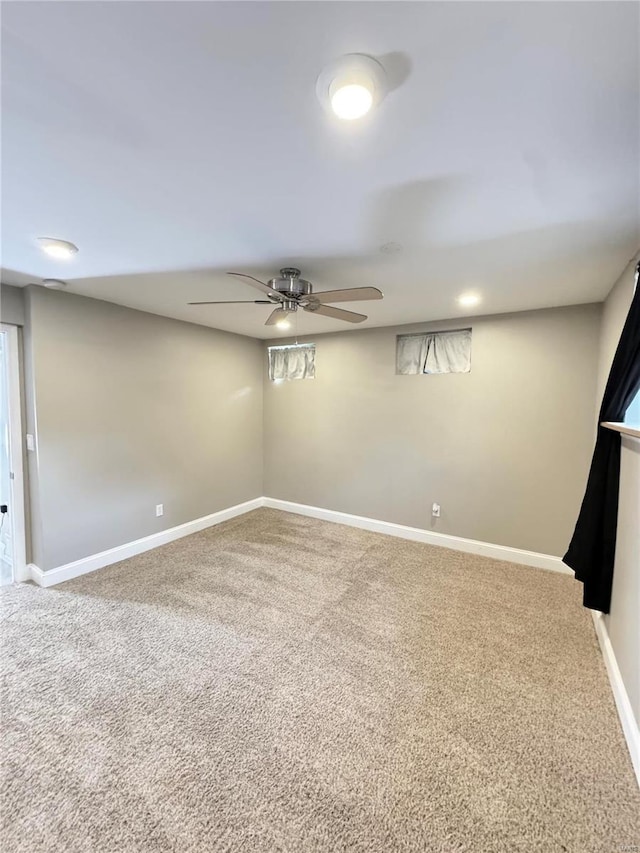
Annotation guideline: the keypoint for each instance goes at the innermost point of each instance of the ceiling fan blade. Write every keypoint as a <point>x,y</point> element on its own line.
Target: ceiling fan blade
<point>336,313</point>
<point>351,294</point>
<point>259,285</point>
<point>236,302</point>
<point>276,316</point>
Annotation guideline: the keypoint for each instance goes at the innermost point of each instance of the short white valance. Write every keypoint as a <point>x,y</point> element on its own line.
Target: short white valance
<point>297,361</point>
<point>434,352</point>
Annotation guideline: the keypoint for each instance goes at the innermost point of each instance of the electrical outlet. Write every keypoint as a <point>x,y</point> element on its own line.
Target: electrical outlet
<point>159,510</point>
<point>435,510</point>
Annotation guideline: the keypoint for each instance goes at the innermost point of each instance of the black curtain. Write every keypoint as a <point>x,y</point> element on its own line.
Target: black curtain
<point>592,550</point>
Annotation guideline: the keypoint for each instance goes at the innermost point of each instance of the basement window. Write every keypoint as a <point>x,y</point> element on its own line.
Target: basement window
<point>296,361</point>
<point>633,412</point>
<point>434,352</point>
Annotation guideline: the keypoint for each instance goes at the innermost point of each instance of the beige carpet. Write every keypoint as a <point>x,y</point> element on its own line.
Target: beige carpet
<point>283,684</point>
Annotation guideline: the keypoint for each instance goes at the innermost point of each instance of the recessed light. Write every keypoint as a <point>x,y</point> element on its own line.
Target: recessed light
<point>351,86</point>
<point>468,300</point>
<point>351,100</point>
<point>61,249</point>
<point>54,283</point>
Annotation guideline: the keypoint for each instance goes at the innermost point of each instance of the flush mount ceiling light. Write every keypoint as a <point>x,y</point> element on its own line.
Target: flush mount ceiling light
<point>351,86</point>
<point>54,283</point>
<point>61,249</point>
<point>468,300</point>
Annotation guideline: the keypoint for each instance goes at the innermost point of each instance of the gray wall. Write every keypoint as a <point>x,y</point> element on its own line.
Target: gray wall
<point>132,410</point>
<point>11,305</point>
<point>622,622</point>
<point>504,449</point>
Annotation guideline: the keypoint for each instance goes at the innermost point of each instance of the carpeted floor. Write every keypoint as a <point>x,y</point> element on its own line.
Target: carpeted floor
<point>284,684</point>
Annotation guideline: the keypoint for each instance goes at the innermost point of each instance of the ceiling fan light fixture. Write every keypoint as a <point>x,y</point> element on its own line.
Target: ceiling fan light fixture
<point>59,249</point>
<point>285,323</point>
<point>351,86</point>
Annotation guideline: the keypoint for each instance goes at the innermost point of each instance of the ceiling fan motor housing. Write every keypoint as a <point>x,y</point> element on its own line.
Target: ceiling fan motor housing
<point>290,283</point>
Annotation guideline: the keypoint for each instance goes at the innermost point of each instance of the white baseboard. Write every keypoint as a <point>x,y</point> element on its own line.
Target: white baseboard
<point>130,549</point>
<point>623,704</point>
<point>429,537</point>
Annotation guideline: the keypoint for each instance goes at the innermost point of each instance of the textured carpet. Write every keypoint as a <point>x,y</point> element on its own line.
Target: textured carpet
<point>284,684</point>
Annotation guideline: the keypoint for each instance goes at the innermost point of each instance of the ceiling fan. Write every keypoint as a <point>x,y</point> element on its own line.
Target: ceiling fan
<point>290,292</point>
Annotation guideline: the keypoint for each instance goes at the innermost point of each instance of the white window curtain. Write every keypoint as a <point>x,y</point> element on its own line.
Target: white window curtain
<point>292,362</point>
<point>434,352</point>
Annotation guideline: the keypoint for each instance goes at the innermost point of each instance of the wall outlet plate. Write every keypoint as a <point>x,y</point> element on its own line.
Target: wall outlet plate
<point>435,510</point>
<point>159,510</point>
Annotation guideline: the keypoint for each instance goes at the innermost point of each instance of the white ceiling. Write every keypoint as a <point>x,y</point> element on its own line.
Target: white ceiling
<point>174,141</point>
